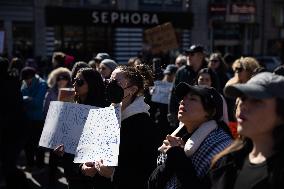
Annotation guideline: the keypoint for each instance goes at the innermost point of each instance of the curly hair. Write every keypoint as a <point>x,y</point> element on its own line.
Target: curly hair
<point>139,75</point>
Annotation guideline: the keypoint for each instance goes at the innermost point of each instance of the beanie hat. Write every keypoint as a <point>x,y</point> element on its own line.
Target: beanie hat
<point>111,64</point>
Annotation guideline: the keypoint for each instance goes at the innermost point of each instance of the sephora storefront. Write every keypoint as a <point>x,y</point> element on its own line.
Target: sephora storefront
<point>84,32</point>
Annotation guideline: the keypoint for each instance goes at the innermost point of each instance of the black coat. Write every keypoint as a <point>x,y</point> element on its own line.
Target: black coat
<point>225,175</point>
<point>137,152</point>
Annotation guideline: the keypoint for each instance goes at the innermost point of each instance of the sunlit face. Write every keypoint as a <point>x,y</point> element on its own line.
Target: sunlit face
<point>204,79</point>
<point>104,71</point>
<point>80,85</point>
<point>256,118</point>
<point>191,111</point>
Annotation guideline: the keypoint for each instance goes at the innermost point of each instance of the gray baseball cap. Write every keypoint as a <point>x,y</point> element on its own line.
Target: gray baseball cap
<point>261,86</point>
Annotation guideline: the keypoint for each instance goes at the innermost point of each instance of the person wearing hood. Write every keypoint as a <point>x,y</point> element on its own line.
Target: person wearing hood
<point>137,150</point>
<point>106,68</point>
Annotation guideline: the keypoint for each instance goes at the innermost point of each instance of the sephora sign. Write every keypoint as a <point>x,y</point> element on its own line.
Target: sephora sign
<point>125,18</point>
<point>115,18</point>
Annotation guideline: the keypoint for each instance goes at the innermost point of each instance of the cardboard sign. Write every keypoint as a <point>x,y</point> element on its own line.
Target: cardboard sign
<point>66,94</point>
<point>161,38</point>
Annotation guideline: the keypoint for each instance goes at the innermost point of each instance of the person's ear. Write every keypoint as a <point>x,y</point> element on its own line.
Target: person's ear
<point>134,89</point>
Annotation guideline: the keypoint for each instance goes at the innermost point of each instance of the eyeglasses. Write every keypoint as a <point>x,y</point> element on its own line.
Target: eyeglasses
<point>238,69</point>
<point>79,82</point>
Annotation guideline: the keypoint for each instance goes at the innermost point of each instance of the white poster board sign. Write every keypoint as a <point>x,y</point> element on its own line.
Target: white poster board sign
<point>64,124</point>
<point>101,137</point>
<point>161,92</point>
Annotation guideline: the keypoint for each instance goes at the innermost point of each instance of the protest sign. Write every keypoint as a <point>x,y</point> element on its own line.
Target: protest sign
<point>64,125</point>
<point>161,38</point>
<point>161,91</point>
<point>100,137</point>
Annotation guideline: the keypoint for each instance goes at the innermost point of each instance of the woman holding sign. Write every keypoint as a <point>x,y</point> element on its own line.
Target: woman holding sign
<point>89,90</point>
<point>137,150</point>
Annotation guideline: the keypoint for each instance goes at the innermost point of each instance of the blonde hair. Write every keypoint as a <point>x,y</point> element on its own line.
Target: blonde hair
<point>52,77</point>
<point>249,64</point>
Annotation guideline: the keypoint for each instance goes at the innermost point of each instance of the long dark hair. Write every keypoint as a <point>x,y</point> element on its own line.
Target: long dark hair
<point>96,88</point>
<point>243,145</point>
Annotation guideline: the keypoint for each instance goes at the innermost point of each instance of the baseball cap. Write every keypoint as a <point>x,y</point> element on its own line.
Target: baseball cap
<point>102,56</point>
<point>261,86</point>
<point>194,49</point>
<point>170,69</point>
<point>211,99</point>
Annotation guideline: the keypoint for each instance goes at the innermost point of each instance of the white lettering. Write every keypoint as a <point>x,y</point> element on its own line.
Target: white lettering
<point>124,18</point>
<point>155,19</point>
<point>135,18</point>
<point>146,18</point>
<point>104,17</point>
<point>95,17</point>
<point>114,17</point>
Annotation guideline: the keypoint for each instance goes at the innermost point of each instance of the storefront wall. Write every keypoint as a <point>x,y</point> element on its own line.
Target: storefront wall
<point>85,32</point>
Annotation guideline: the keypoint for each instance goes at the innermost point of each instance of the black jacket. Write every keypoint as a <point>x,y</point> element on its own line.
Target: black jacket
<point>225,175</point>
<point>137,152</point>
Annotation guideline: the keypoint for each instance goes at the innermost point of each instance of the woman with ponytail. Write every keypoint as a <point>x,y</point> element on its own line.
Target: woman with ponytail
<point>137,150</point>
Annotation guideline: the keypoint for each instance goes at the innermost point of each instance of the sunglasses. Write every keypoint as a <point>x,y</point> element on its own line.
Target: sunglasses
<point>238,69</point>
<point>59,78</point>
<point>79,82</point>
<point>214,60</point>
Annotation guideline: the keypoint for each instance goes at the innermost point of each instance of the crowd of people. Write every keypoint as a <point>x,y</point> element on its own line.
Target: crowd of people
<point>204,121</point>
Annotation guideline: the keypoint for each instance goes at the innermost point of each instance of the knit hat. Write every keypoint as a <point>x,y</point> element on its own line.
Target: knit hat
<point>111,64</point>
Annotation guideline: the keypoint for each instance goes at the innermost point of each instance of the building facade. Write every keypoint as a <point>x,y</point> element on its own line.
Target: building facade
<point>84,27</point>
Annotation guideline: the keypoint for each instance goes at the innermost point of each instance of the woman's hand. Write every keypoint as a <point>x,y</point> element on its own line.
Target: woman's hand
<point>59,150</point>
<point>171,141</point>
<point>89,169</point>
<point>103,170</point>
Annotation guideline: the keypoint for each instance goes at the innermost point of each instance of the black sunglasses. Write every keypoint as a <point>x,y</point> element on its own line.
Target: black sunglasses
<point>239,69</point>
<point>62,77</point>
<point>79,82</point>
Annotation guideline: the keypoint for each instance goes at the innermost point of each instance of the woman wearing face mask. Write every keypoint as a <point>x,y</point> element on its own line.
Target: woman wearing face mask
<point>137,150</point>
<point>255,160</point>
<point>188,155</point>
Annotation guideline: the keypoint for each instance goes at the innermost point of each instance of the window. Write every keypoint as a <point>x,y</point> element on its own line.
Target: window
<point>23,42</point>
